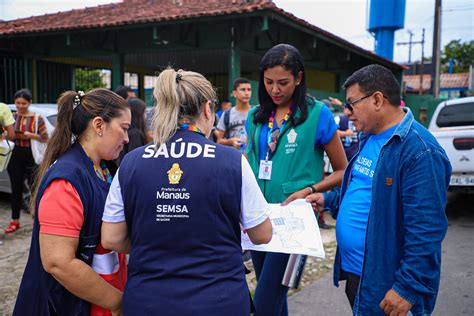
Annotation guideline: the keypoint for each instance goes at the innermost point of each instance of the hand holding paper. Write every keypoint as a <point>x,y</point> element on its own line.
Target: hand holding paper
<point>295,230</point>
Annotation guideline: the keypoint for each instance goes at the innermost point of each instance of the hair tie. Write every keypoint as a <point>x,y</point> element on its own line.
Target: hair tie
<point>77,99</point>
<point>178,77</point>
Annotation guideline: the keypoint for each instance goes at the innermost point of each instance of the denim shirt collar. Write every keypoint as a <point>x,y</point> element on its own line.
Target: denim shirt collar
<point>402,129</point>
<point>405,124</point>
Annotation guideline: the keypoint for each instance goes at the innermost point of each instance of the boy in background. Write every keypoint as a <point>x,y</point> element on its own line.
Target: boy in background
<point>231,126</point>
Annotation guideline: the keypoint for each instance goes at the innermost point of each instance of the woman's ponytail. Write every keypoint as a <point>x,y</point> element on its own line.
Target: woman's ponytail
<point>179,97</point>
<point>168,104</point>
<point>59,142</point>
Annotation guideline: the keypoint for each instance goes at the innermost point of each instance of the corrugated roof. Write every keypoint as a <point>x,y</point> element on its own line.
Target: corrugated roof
<point>412,82</point>
<point>459,80</point>
<point>131,12</point>
<point>447,81</point>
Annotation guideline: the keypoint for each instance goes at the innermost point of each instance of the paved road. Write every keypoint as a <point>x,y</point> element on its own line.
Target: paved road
<point>456,296</point>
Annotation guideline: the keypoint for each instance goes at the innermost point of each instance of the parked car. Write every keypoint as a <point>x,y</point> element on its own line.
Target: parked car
<point>49,112</point>
<point>453,126</point>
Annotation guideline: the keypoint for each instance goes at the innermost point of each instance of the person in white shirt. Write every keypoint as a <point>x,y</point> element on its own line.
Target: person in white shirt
<point>177,206</point>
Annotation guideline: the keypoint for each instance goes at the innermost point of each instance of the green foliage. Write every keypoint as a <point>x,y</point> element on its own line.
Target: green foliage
<point>462,55</point>
<point>86,79</point>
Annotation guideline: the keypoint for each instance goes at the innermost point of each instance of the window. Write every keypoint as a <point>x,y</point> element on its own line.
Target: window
<point>53,119</point>
<point>456,115</point>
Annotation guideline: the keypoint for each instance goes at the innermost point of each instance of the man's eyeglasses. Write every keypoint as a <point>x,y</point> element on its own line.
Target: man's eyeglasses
<point>349,105</point>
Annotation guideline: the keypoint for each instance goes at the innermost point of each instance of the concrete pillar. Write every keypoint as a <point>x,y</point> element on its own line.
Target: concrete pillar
<point>34,80</point>
<point>234,59</point>
<point>117,70</point>
<point>141,86</point>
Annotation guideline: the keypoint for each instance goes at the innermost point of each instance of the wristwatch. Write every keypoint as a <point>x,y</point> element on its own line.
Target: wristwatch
<point>313,190</point>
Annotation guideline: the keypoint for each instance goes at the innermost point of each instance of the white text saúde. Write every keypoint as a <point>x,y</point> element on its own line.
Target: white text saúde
<point>180,149</point>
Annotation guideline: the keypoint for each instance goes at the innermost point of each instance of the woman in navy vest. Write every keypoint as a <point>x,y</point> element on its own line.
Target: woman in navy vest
<point>68,272</point>
<point>176,205</point>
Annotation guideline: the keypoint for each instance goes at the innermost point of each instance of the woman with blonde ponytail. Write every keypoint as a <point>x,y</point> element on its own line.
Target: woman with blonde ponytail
<point>176,206</point>
<point>68,271</point>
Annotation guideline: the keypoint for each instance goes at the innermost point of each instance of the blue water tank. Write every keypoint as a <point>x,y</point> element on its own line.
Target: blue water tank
<point>386,16</point>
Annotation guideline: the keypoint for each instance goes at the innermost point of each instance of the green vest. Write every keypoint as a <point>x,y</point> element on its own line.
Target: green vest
<point>295,163</point>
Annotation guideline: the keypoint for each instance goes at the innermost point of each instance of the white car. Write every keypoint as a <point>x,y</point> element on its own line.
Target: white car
<point>453,126</point>
<point>49,111</point>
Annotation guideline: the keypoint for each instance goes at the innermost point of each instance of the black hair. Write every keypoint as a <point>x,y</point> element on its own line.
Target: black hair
<point>75,111</point>
<point>239,81</point>
<point>123,91</point>
<point>290,59</point>
<point>374,78</point>
<point>225,102</point>
<point>137,109</point>
<point>97,102</point>
<point>23,93</point>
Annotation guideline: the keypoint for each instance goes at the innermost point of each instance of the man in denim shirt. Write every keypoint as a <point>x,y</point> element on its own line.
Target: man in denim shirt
<point>390,207</point>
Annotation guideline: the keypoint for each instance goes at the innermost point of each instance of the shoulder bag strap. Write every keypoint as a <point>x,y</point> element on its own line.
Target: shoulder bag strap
<point>36,123</point>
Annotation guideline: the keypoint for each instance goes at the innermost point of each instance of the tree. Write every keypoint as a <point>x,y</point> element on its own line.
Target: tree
<point>86,79</point>
<point>461,54</point>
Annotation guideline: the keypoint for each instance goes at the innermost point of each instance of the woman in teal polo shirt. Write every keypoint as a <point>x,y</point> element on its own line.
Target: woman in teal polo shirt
<point>287,136</point>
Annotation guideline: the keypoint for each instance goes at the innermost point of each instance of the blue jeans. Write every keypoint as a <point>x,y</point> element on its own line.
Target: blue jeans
<point>270,297</point>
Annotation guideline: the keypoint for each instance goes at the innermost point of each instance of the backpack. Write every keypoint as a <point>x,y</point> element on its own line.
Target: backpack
<point>226,122</point>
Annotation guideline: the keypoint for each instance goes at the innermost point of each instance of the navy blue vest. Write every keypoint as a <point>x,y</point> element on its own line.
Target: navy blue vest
<point>40,294</point>
<point>182,208</point>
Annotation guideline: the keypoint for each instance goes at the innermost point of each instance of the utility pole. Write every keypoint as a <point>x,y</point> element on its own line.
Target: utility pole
<point>422,61</point>
<point>409,43</point>
<point>436,50</point>
<point>409,46</point>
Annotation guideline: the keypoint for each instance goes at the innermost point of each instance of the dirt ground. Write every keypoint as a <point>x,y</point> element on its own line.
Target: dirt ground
<point>14,253</point>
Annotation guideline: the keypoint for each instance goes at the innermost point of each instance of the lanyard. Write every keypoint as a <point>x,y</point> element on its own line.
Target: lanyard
<point>273,134</point>
<point>105,174</point>
<point>190,127</point>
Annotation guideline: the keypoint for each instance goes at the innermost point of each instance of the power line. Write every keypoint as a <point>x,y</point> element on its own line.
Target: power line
<point>456,27</point>
<point>410,43</point>
<point>455,10</point>
<point>458,7</point>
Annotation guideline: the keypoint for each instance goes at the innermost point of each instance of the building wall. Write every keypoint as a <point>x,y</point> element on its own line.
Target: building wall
<point>13,76</point>
<point>321,80</point>
<point>422,107</point>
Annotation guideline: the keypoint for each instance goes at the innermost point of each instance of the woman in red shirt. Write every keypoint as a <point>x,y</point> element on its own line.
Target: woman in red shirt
<point>67,265</point>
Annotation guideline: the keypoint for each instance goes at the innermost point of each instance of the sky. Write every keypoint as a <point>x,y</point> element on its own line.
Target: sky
<point>344,18</point>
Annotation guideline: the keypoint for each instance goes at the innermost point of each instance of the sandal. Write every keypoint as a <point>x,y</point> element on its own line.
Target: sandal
<point>12,227</point>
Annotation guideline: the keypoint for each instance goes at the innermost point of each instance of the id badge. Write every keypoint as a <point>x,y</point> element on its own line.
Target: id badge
<point>265,171</point>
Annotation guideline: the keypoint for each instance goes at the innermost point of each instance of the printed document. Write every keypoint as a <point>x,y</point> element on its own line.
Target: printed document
<point>295,231</point>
